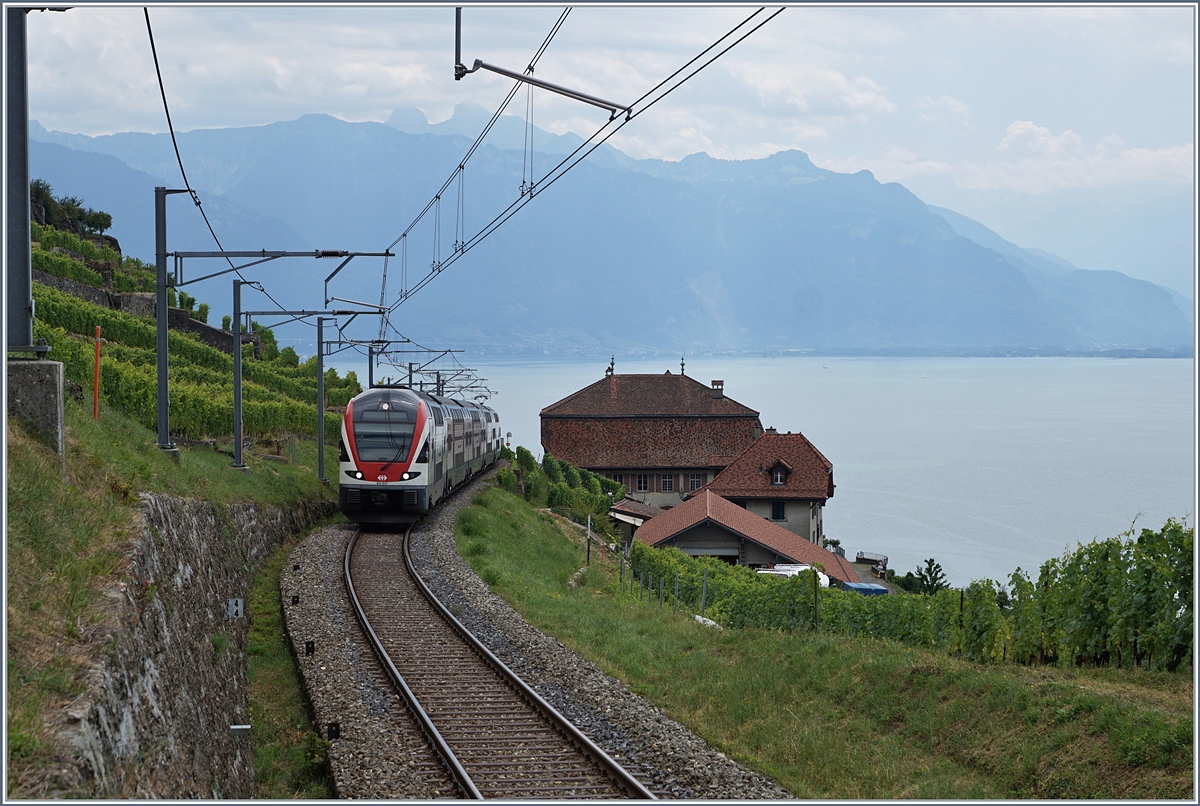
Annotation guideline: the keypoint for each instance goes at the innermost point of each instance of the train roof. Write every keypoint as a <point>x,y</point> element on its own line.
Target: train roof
<point>441,400</point>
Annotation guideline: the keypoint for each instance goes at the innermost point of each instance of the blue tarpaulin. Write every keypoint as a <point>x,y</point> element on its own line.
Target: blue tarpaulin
<point>865,588</point>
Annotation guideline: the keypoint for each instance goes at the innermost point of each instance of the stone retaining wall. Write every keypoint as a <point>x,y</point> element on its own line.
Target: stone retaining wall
<point>156,722</point>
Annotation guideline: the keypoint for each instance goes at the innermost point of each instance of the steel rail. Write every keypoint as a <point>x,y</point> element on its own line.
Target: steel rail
<point>614,771</point>
<point>453,766</point>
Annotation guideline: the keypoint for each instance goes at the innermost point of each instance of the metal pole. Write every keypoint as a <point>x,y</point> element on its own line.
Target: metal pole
<point>816,602</point>
<point>370,366</point>
<point>460,69</point>
<point>96,381</point>
<point>589,537</point>
<point>321,398</point>
<point>237,374</point>
<point>160,311</point>
<point>19,309</point>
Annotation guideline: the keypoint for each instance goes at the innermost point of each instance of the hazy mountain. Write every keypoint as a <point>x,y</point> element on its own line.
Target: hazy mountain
<point>635,254</point>
<point>1090,299</point>
<point>106,183</point>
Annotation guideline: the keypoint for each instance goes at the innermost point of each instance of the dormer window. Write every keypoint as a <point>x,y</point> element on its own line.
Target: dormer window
<point>778,476</point>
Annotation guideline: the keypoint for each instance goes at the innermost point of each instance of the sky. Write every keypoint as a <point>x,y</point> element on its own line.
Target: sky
<point>1068,128</point>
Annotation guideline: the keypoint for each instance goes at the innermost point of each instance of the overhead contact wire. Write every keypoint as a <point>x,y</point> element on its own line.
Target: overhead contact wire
<point>515,206</point>
<point>178,158</point>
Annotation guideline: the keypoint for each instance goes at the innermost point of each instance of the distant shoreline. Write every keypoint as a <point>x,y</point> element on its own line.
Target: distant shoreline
<point>897,352</point>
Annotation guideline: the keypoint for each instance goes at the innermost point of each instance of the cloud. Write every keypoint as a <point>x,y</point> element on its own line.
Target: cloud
<point>1037,161</point>
<point>1040,140</point>
<point>814,90</point>
<point>895,165</point>
<point>946,107</point>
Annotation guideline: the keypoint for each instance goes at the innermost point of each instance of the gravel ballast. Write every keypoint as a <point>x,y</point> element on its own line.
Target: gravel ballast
<point>376,757</point>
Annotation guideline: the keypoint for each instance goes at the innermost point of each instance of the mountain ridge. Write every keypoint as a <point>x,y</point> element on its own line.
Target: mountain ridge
<point>703,254</point>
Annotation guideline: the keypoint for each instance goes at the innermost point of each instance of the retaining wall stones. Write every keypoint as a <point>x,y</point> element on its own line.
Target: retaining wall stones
<point>156,721</point>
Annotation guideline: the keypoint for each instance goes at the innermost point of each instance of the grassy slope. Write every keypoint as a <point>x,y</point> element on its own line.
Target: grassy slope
<point>66,536</point>
<point>832,717</point>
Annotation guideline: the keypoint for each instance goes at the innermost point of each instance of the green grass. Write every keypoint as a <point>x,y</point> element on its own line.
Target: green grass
<point>290,759</point>
<point>66,537</point>
<point>835,717</point>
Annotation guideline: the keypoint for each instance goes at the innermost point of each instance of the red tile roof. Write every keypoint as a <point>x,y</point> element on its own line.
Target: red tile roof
<point>663,395</point>
<point>707,506</point>
<point>810,474</point>
<point>648,443</point>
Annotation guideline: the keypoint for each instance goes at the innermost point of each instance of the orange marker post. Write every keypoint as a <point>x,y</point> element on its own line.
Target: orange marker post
<point>96,383</point>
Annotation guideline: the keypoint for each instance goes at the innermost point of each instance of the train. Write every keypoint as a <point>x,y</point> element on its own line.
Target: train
<point>401,451</point>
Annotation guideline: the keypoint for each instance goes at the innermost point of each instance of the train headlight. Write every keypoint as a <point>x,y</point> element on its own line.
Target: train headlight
<point>357,474</point>
<point>404,476</point>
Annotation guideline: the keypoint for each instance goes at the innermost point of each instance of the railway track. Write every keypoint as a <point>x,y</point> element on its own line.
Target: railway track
<point>494,735</point>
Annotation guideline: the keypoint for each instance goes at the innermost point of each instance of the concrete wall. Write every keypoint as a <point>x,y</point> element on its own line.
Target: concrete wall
<point>155,722</point>
<point>35,395</point>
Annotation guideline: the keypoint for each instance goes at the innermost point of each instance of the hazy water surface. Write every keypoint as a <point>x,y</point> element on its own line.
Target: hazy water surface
<point>984,464</point>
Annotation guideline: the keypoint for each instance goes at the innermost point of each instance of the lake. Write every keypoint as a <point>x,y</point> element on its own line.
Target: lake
<point>984,464</point>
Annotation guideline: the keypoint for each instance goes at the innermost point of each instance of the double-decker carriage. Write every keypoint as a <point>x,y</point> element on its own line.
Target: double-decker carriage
<point>402,451</point>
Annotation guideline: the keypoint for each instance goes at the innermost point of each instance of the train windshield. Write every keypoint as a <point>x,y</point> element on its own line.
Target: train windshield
<point>383,426</point>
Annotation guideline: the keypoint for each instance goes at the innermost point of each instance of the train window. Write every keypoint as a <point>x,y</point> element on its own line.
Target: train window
<point>423,458</point>
<point>383,428</point>
<point>437,415</point>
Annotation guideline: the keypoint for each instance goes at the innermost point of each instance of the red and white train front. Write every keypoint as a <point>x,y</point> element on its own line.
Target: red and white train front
<point>384,451</point>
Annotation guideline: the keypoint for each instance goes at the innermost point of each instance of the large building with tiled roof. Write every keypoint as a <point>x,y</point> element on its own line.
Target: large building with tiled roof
<point>707,525</point>
<point>662,436</point>
<point>783,478</point>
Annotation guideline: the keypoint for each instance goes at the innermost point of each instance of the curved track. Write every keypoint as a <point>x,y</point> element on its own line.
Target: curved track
<point>497,737</point>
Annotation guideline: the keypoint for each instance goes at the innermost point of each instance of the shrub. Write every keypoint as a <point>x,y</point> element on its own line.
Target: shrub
<point>525,460</point>
<point>507,480</point>
<point>552,468</point>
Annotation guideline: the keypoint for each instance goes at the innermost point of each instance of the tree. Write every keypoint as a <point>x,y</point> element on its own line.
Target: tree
<point>288,357</point>
<point>931,578</point>
<point>270,347</point>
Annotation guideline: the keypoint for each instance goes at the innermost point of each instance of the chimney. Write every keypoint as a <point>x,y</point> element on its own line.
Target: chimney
<point>772,430</point>
<point>718,390</point>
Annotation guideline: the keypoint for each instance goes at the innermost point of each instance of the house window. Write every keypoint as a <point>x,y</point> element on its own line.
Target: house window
<point>643,482</point>
<point>778,476</point>
<point>695,481</point>
<point>668,483</point>
<point>617,477</point>
<point>778,511</point>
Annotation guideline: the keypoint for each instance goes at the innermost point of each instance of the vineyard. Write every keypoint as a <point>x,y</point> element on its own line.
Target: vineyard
<point>570,491</point>
<point>1124,602</point>
<point>277,398</point>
